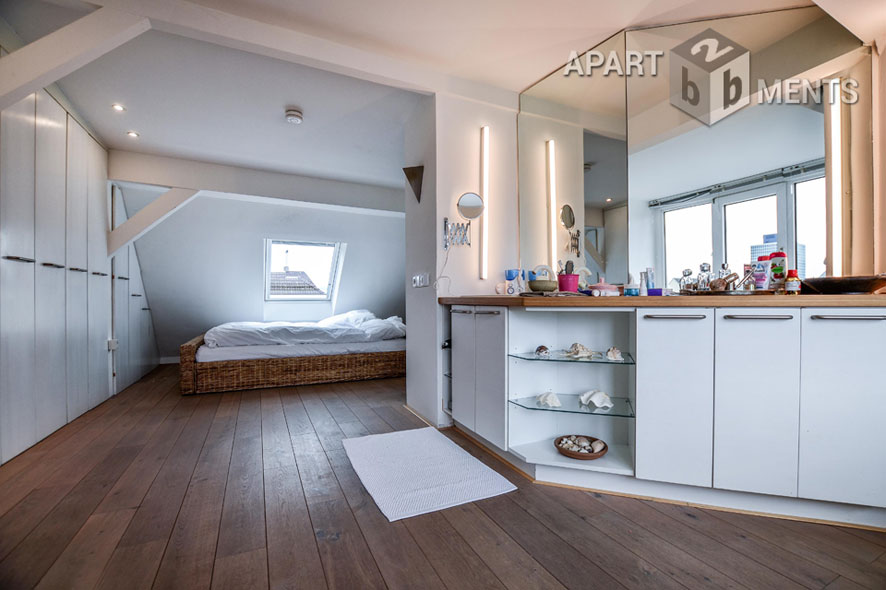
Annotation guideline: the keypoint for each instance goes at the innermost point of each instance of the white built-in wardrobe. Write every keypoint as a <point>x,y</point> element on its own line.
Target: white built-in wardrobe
<point>57,291</point>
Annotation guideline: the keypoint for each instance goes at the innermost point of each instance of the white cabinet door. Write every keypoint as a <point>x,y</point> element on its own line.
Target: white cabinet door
<point>99,290</point>
<point>137,333</point>
<point>757,400</point>
<point>121,320</point>
<point>843,406</point>
<point>75,204</point>
<point>491,413</point>
<point>76,326</point>
<point>675,395</point>
<point>17,352</point>
<point>464,371</point>
<point>50,385</point>
<point>98,207</point>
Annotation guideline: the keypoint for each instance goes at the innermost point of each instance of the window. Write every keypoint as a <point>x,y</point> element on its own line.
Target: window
<point>812,227</point>
<point>688,239</point>
<point>300,270</point>
<point>748,223</point>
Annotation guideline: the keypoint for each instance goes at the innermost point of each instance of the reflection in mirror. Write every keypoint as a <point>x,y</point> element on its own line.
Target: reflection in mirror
<point>782,172</point>
<point>585,116</point>
<point>470,205</point>
<point>567,217</point>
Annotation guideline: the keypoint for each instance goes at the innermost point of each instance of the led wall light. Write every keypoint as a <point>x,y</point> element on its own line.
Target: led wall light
<point>484,192</point>
<point>551,173</point>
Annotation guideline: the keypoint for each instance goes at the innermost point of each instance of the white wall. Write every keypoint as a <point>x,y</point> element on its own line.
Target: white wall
<point>615,236</point>
<point>204,265</point>
<point>879,86</point>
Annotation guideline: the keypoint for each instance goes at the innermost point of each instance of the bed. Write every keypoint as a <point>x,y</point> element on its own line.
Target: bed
<point>250,355</point>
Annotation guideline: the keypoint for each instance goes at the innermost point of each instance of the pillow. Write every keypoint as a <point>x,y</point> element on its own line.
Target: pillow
<point>352,318</point>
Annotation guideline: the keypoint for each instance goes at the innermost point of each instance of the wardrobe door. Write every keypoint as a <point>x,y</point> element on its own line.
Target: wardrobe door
<point>49,250</point>
<point>137,332</point>
<point>76,335</point>
<point>121,320</point>
<point>99,265</point>
<point>17,362</point>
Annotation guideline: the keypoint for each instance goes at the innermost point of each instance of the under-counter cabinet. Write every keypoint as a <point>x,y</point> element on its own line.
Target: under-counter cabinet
<point>757,400</point>
<point>675,395</point>
<point>480,371</point>
<point>843,406</point>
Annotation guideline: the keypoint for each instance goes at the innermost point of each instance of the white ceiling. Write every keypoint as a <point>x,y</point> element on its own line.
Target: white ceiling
<point>506,43</point>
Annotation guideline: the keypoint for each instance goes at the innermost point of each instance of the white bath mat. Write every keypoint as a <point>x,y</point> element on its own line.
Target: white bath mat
<point>418,471</point>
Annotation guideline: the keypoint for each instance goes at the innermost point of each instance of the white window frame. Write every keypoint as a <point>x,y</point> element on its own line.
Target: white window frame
<point>333,274</point>
<point>786,199</point>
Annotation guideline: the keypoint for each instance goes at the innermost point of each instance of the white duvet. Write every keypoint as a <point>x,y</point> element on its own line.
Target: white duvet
<point>353,326</point>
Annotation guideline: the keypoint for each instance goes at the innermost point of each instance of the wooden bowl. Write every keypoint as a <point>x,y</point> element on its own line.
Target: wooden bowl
<point>581,456</point>
<point>542,285</point>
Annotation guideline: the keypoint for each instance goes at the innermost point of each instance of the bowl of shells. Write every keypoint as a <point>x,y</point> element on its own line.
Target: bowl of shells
<point>580,446</point>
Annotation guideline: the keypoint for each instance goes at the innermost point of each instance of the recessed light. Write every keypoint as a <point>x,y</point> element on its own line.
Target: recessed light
<point>132,134</point>
<point>608,200</point>
<point>118,107</point>
<point>294,116</point>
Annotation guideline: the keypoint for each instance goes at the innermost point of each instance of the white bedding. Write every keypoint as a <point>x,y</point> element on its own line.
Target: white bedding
<point>206,354</point>
<point>351,327</point>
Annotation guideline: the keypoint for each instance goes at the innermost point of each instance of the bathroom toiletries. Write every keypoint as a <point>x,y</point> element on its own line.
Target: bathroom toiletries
<point>644,289</point>
<point>687,283</point>
<point>724,271</point>
<point>761,273</point>
<point>778,270</point>
<point>704,276</point>
<point>792,283</point>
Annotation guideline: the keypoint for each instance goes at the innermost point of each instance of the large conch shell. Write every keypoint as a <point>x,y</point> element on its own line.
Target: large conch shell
<point>579,350</point>
<point>597,398</point>
<point>549,399</point>
<point>614,354</point>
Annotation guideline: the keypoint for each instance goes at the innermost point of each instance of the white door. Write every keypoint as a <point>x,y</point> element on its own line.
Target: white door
<point>99,289</point>
<point>757,400</point>
<point>17,344</point>
<point>121,320</point>
<point>843,406</point>
<point>491,410</point>
<point>675,395</point>
<point>464,358</point>
<point>76,325</point>
<point>49,250</point>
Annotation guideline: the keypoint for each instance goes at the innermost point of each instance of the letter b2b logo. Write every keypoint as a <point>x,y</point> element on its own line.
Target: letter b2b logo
<point>710,76</point>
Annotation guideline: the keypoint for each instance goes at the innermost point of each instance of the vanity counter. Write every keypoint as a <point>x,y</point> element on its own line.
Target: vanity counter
<point>673,301</point>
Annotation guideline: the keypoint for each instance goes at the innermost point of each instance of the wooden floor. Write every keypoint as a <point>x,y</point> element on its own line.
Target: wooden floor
<point>253,490</point>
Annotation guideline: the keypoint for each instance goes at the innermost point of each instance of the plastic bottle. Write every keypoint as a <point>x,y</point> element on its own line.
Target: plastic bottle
<point>778,270</point>
<point>761,273</point>
<point>792,283</point>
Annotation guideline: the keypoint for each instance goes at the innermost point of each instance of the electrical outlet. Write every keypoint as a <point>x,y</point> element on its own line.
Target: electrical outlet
<point>421,280</point>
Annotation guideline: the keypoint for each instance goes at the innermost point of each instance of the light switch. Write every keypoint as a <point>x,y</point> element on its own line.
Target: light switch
<point>421,280</point>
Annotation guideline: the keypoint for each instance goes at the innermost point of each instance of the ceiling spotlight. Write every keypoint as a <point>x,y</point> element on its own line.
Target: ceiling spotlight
<point>294,116</point>
<point>609,200</point>
<point>118,107</point>
<point>132,134</point>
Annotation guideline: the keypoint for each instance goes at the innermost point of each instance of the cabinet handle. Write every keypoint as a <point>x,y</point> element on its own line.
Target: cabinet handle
<point>136,295</point>
<point>100,274</point>
<point>675,317</point>
<point>146,309</point>
<point>487,313</point>
<point>758,317</point>
<point>122,278</point>
<point>76,269</point>
<point>20,259</point>
<point>465,311</point>
<point>52,265</point>
<point>873,318</point>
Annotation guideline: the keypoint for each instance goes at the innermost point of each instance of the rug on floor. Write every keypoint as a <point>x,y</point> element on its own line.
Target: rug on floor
<point>414,472</point>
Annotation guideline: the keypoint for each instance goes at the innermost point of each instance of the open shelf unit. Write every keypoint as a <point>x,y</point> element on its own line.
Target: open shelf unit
<point>560,356</point>
<point>622,408</point>
<point>618,459</point>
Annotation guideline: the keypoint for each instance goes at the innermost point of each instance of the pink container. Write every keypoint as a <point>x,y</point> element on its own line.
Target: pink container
<point>568,283</point>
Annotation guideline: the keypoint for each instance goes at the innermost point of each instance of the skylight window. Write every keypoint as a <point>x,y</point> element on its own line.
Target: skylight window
<point>300,270</point>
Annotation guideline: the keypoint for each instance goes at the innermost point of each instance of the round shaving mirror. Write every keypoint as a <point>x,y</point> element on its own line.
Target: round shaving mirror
<point>567,217</point>
<point>470,205</point>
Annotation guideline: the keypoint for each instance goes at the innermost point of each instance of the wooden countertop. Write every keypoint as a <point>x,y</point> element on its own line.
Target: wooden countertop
<point>673,301</point>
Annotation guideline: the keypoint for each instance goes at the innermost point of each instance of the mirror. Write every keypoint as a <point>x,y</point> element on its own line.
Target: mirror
<point>713,141</point>
<point>573,165</point>
<point>567,217</point>
<point>470,205</point>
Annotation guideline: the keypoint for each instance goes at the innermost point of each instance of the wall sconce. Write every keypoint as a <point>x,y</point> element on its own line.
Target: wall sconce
<point>551,174</point>
<point>484,193</point>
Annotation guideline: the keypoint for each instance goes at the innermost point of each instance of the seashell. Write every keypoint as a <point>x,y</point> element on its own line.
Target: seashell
<point>597,446</point>
<point>614,354</point>
<point>582,450</point>
<point>579,350</point>
<point>582,442</point>
<point>597,398</point>
<point>549,399</point>
<point>542,351</point>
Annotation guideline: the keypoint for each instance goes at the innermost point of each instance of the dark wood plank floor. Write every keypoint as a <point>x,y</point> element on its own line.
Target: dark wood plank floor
<point>254,490</point>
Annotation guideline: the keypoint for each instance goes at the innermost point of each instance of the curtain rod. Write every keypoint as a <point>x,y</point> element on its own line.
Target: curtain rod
<point>786,172</point>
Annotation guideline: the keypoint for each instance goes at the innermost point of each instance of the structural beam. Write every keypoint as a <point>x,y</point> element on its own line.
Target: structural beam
<point>148,217</point>
<point>56,55</point>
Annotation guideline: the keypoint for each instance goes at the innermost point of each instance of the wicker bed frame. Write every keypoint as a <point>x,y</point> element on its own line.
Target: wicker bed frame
<point>219,376</point>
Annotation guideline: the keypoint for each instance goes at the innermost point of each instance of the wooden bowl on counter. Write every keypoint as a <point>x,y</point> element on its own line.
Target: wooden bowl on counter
<point>576,455</point>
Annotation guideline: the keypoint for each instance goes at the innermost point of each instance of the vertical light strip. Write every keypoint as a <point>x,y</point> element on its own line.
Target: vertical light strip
<point>836,169</point>
<point>552,200</point>
<point>484,192</point>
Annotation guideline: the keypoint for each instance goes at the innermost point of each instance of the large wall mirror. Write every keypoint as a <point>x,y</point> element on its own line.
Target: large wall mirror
<point>707,142</point>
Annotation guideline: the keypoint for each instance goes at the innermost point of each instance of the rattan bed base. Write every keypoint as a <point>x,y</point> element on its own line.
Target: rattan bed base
<point>220,376</point>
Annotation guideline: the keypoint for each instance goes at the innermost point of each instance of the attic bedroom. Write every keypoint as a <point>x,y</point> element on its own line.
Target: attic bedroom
<point>416,295</point>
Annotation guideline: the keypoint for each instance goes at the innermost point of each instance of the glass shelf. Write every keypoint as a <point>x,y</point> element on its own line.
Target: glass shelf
<point>559,356</point>
<point>622,406</point>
